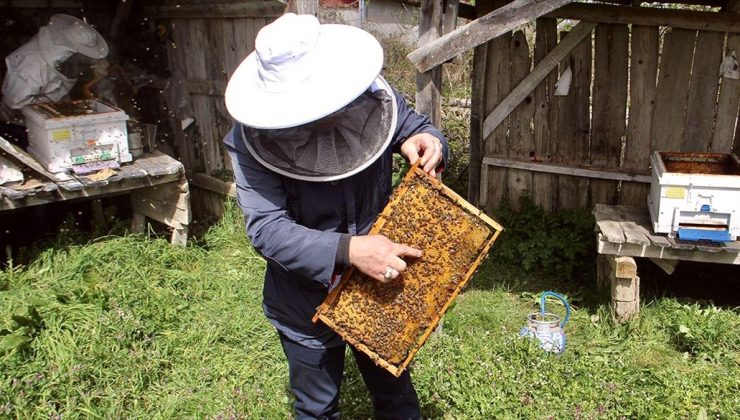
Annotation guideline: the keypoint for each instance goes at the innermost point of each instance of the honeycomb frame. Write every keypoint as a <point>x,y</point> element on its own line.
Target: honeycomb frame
<point>391,321</point>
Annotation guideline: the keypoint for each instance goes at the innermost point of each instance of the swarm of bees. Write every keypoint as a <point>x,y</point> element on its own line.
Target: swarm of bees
<point>391,321</point>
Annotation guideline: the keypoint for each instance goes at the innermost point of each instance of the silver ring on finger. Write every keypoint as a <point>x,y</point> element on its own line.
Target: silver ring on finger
<point>388,275</point>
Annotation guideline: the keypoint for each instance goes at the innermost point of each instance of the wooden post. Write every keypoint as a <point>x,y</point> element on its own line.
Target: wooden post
<point>478,113</point>
<point>429,83</point>
<point>304,7</point>
<point>621,274</point>
<point>165,203</point>
<point>450,18</point>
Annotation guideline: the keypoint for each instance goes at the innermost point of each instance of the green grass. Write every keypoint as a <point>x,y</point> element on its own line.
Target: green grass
<point>133,327</point>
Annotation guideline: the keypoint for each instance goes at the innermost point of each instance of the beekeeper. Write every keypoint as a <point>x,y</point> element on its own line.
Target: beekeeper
<point>312,156</point>
<point>32,74</point>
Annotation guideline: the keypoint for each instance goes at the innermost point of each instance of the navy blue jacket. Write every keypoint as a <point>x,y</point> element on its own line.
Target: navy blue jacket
<point>296,225</point>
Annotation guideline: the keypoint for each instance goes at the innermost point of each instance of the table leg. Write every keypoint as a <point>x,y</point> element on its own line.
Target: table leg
<point>168,204</point>
<point>138,223</point>
<point>621,274</point>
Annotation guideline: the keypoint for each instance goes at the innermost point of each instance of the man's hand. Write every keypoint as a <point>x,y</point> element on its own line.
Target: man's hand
<point>378,256</point>
<point>424,146</point>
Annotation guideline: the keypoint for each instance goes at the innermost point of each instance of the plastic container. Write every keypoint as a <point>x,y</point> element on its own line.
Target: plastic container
<point>77,134</point>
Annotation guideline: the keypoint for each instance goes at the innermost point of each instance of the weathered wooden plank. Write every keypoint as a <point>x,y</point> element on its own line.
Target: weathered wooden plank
<point>697,131</point>
<point>728,103</point>
<point>544,193</point>
<point>477,113</point>
<point>643,79</point>
<point>648,251</point>
<point>529,83</point>
<point>304,7</point>
<point>45,197</point>
<point>668,266</point>
<point>644,224</point>
<point>167,193</point>
<point>607,222</point>
<point>244,37</point>
<point>215,10</point>
<point>429,83</point>
<point>609,104</point>
<point>21,157</point>
<point>623,267</point>
<point>673,86</point>
<point>521,136</point>
<point>485,28</point>
<point>42,4</point>
<point>496,141</point>
<point>648,16</point>
<point>574,126</point>
<point>214,184</point>
<point>450,16</point>
<point>625,289</point>
<point>729,95</point>
<point>613,174</point>
<point>633,234</point>
<point>177,56</point>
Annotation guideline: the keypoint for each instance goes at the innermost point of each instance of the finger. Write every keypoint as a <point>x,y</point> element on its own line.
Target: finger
<point>431,164</point>
<point>381,277</point>
<point>435,154</point>
<point>407,251</point>
<point>397,264</point>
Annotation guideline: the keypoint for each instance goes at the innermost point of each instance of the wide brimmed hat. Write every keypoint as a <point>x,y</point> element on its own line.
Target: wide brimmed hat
<point>302,71</point>
<point>75,34</point>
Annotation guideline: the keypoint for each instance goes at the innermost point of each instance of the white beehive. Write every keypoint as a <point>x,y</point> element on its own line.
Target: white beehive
<point>69,135</point>
<point>695,195</point>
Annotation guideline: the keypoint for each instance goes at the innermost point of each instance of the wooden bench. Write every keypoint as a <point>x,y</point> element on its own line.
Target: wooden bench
<point>157,184</point>
<point>624,233</point>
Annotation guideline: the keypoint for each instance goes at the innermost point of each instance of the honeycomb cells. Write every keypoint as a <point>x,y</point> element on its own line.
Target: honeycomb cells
<point>390,319</point>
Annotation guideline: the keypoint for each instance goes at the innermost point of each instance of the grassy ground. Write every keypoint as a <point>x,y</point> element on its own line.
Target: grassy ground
<point>133,327</point>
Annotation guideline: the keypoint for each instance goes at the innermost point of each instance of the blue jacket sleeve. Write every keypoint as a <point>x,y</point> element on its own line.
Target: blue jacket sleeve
<point>261,195</point>
<point>410,122</point>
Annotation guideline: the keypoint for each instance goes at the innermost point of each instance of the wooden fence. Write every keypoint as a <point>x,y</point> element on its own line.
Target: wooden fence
<point>633,89</point>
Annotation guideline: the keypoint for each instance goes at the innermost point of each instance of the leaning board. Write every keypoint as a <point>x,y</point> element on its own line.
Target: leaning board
<point>390,321</point>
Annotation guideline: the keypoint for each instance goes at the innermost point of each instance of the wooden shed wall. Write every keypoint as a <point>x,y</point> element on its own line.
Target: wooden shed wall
<point>634,89</point>
<point>206,47</point>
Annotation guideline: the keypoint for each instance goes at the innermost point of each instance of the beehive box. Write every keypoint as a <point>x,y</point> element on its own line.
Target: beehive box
<point>68,135</point>
<point>697,193</point>
<point>391,321</point>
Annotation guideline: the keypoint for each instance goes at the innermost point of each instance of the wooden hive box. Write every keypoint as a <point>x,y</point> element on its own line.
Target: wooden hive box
<point>391,321</point>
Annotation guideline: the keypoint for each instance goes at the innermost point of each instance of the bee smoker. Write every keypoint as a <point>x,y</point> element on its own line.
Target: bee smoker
<point>546,326</point>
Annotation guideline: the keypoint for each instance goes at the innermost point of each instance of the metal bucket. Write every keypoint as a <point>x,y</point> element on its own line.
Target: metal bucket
<point>547,327</point>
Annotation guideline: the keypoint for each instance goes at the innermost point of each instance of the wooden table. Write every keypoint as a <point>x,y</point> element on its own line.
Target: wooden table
<point>156,182</point>
<point>624,233</point>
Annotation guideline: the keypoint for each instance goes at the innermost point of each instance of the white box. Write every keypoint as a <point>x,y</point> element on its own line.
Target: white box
<point>695,191</point>
<point>68,134</point>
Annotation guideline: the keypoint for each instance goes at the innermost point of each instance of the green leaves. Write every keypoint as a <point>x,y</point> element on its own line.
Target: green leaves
<point>26,328</point>
<point>13,341</point>
<point>534,239</point>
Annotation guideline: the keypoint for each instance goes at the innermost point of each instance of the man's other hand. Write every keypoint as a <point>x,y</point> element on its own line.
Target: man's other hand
<point>424,146</point>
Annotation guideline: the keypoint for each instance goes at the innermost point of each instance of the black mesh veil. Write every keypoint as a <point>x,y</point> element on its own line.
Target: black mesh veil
<point>332,147</point>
